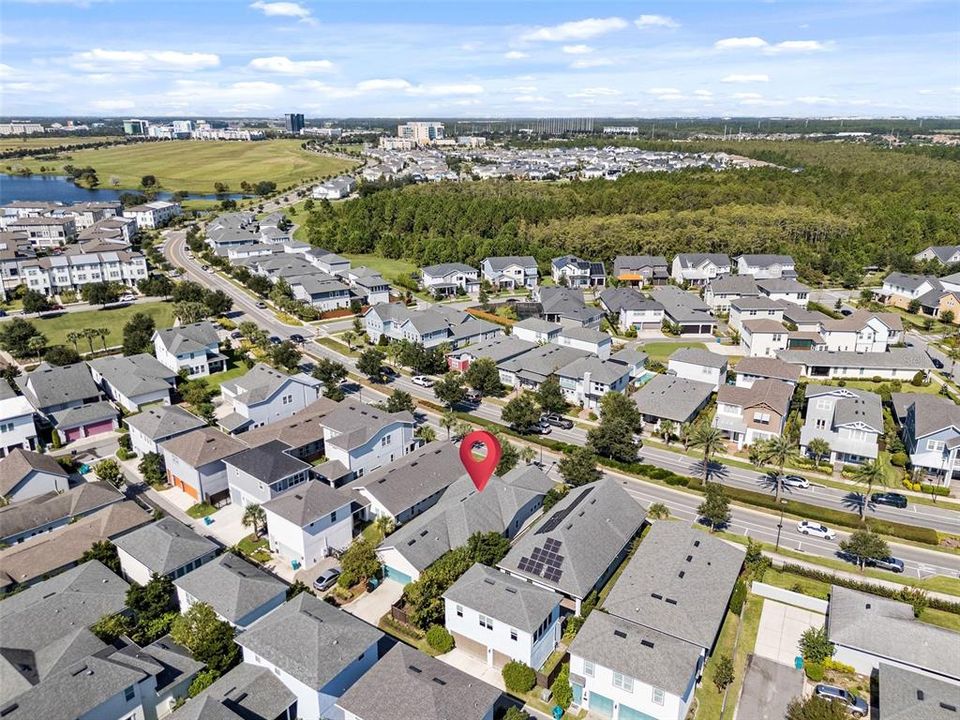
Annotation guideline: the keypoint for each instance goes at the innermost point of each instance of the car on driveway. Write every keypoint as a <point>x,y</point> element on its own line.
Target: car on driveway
<point>422,381</point>
<point>808,527</point>
<point>557,420</point>
<point>892,564</point>
<point>795,481</point>
<point>889,498</point>
<point>326,579</point>
<point>856,706</point>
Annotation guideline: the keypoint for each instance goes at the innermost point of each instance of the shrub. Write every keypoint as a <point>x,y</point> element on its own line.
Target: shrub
<point>839,667</point>
<point>899,459</point>
<point>739,597</point>
<point>561,690</point>
<point>815,646</point>
<point>814,671</point>
<point>934,490</point>
<point>440,639</point>
<point>519,678</point>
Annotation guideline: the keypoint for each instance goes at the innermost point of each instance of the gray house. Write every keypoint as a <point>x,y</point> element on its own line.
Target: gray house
<point>195,463</point>
<point>157,424</point>
<point>25,474</point>
<point>668,397</point>
<point>67,398</point>
<point>134,380</point>
<point>510,272</point>
<point>258,474</point>
<point>166,547</point>
<point>850,420</point>
<point>247,691</point>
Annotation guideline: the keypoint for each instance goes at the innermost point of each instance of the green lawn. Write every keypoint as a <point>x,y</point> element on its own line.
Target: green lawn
<point>196,166</point>
<point>200,510</point>
<point>255,548</point>
<point>56,328</point>
<point>385,266</point>
<point>235,368</point>
<point>663,350</point>
<point>709,699</point>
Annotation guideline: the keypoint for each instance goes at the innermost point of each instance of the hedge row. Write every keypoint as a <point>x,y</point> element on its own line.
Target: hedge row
<point>490,317</point>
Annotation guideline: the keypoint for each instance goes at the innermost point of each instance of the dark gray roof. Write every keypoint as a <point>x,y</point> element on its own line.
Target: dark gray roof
<point>624,263</point>
<point>692,260</point>
<point>672,398</point>
<point>888,630</point>
<point>761,302</point>
<point>622,298</point>
<point>678,583</point>
<point>852,405</point>
<point>500,262</point>
<point>19,463</point>
<point>607,372</point>
<point>447,268</point>
<point>582,535</point>
<point>231,586</point>
<point>189,338</point>
<point>43,509</point>
<point>894,359</point>
<point>407,683</point>
<point>134,374</point>
<point>50,385</point>
<point>298,430</point>
<point>165,545</point>
<point>682,307</point>
<point>637,652</point>
<point>910,281</point>
<point>159,422</point>
<point>498,349</point>
<point>699,356</point>
<point>585,334</point>
<point>543,360</point>
<point>307,502</point>
<point>268,463</point>
<point>782,285</point>
<point>247,692</point>
<point>768,367</point>
<point>175,659</point>
<point>537,325</point>
<point>743,285</point>
<point>927,413</point>
<point>908,695</point>
<point>503,597</point>
<point>309,639</point>
<point>85,414</point>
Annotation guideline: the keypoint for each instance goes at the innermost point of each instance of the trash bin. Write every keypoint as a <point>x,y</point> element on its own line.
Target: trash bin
<point>798,662</point>
<point>557,712</point>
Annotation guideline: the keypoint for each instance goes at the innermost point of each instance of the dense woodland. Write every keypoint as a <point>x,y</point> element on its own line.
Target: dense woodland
<point>836,207</point>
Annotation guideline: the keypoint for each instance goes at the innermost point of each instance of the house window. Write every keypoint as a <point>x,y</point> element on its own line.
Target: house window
<point>588,668</point>
<point>824,403</point>
<point>128,693</point>
<point>459,610</point>
<point>821,424</point>
<point>513,634</point>
<point>486,622</point>
<point>333,516</point>
<point>657,696</point>
<point>623,682</point>
<point>385,440</point>
<point>761,418</point>
<point>934,445</point>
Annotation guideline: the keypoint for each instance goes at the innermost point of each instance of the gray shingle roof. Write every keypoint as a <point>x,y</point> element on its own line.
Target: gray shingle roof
<point>85,414</point>
<point>503,597</point>
<point>888,630</point>
<point>682,307</point>
<point>601,371</point>
<point>617,299</point>
<point>782,285</point>
<point>498,349</point>
<point>297,430</point>
<point>910,281</point>
<point>592,524</point>
<point>699,356</point>
<point>692,260</point>
<point>767,260</point>
<point>355,423</point>
<point>309,639</point>
<point>268,462</point>
<point>165,545</point>
<point>756,303</point>
<point>543,360</point>
<point>447,268</point>
<point>930,413</point>
<point>48,385</point>
<point>852,405</point>
<point>189,338</point>
<point>262,381</point>
<point>407,683</point>
<point>19,463</point>
<point>743,285</point>
<point>307,502</point>
<point>499,263</point>
<point>768,367</point>
<point>907,695</point>
<point>231,586</point>
<point>894,358</point>
<point>202,446</point>
<point>175,659</point>
<point>626,263</point>
<point>538,325</point>
<point>247,692</point>
<point>672,398</point>
<point>134,374</point>
<point>159,422</point>
<point>585,334</point>
<point>678,583</point>
<point>50,507</point>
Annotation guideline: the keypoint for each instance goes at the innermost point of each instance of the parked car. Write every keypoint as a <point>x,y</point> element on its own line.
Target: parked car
<point>128,298</point>
<point>542,428</point>
<point>855,705</point>
<point>889,498</point>
<point>274,340</point>
<point>422,381</point>
<point>557,420</point>
<point>473,397</point>
<point>846,312</point>
<point>210,270</point>
<point>326,579</point>
<point>888,563</point>
<point>261,305</point>
<point>297,338</point>
<point>236,335</point>
<point>205,268</point>
<point>937,363</point>
<point>808,527</point>
<point>795,481</point>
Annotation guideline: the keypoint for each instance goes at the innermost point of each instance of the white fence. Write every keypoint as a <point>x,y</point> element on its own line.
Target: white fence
<point>789,597</point>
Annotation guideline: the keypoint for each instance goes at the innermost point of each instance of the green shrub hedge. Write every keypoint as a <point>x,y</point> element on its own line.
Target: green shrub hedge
<point>440,639</point>
<point>518,677</point>
<point>814,671</point>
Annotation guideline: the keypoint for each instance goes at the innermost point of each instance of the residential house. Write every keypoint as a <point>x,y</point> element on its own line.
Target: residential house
<point>532,368</point>
<point>363,438</point>
<point>583,338</point>
<point>895,364</point>
<point>116,231</point>
<point>316,650</point>
<point>157,424</point>
<point>571,271</point>
<point>907,695</point>
<point>431,327</point>
<point>766,266</point>
<point>643,655</point>
<point>666,397</point>
<point>633,359</point>
<point>901,289</point>
<point>71,271</point>
<point>576,546</point>
<point>322,291</point>
<point>367,285</point>
<point>166,547</point>
<point>805,320</point>
<point>194,348</point>
<point>505,506</point>
<point>407,683</point>
<point>850,420</point>
<point>640,270</point>
<point>862,332</point>
<point>406,488</point>
<point>17,428</point>
<point>700,365</point>
<point>265,395</point>
<point>260,473</point>
<point>510,272</point>
<point>868,630</point>
<point>238,229</point>
<point>25,474</point>
<point>335,189</point>
<point>153,214</point>
<point>195,463</point>
<point>45,231</point>
<point>754,308</point>
<point>535,330</point>
<point>238,591</point>
<point>750,415</point>
<point>943,254</point>
<point>498,349</point>
<point>586,380</point>
<point>449,279</point>
<point>930,427</point>
<point>631,309</point>
<point>763,338</point>
<point>327,261</point>
<point>246,691</point>
<point>497,617</point>
<point>699,268</point>
<point>751,369</point>
<point>309,522</point>
<point>566,306</point>
<point>684,310</point>
<point>721,291</point>
<point>23,520</point>
<point>67,399</point>
<point>133,380</point>
<point>302,433</point>
<point>787,289</point>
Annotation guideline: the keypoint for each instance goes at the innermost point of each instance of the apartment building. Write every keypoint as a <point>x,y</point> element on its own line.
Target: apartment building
<point>45,231</point>
<point>58,273</point>
<point>153,214</point>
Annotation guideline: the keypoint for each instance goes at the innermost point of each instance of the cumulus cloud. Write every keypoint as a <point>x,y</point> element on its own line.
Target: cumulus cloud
<point>739,43</point>
<point>594,92</point>
<point>112,105</point>
<point>530,99</point>
<point>816,100</point>
<point>663,91</point>
<point>648,21</point>
<point>285,66</point>
<point>747,96</point>
<point>577,49</point>
<point>703,93</point>
<point>576,30</point>
<point>798,46</point>
<point>515,55</point>
<point>745,78</point>
<point>584,63</point>
<point>382,84</point>
<point>758,43</point>
<point>96,59</point>
<point>282,9</point>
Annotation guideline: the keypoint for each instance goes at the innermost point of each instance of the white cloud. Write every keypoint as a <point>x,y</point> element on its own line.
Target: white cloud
<point>663,91</point>
<point>577,49</point>
<point>797,46</point>
<point>132,60</point>
<point>285,66</point>
<point>758,43</point>
<point>816,100</point>
<point>703,93</point>
<point>583,63</point>
<point>593,92</point>
<point>746,78</point>
<point>747,96</point>
<point>515,55</point>
<point>381,84</point>
<point>739,43</point>
<point>465,102</point>
<point>282,9</point>
<point>647,21</point>
<point>576,30</point>
<point>6,70</point>
<point>111,105</point>
<point>530,99</point>
<point>451,89</point>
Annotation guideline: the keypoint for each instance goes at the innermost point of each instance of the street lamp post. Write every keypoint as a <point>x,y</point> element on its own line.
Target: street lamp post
<point>780,523</point>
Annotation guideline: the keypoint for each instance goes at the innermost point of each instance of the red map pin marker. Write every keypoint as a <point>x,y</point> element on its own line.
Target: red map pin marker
<point>480,470</point>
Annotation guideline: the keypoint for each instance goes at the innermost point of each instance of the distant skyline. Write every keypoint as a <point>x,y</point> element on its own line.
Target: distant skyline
<point>466,59</point>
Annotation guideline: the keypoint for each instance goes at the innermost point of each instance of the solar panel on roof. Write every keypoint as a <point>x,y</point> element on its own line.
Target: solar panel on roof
<point>558,517</point>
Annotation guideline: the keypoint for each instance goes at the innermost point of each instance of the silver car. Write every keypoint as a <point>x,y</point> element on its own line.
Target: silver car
<point>856,706</point>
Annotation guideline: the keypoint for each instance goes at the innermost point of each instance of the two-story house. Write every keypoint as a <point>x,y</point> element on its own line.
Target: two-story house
<point>449,278</point>
<point>862,332</point>
<point>751,369</point>
<point>763,338</point>
<point>367,284</point>
<point>66,398</point>
<point>431,327</point>
<point>133,380</point>
<point>25,474</point>
<point>45,231</point>
<point>766,266</point>
<point>586,380</point>
<point>322,291</point>
<point>786,289</point>
<point>571,271</point>
<point>265,395</point>
<point>699,268</point>
<point>532,368</point>
<point>510,272</point>
<point>628,308</point>
<point>535,330</point>
<point>930,426</point>
<point>668,397</point>
<point>591,340</point>
<point>687,312</point>
<point>699,365</point>
<point>17,428</point>
<point>753,308</point>
<point>22,521</point>
<point>194,348</point>
<point>153,214</point>
<point>901,289</point>
<point>565,306</point>
<point>159,423</point>
<point>309,522</point>
<point>721,291</point>
<point>850,420</point>
<point>943,254</point>
<point>166,547</point>
<point>640,270</point>
<point>363,438</point>
<point>195,463</point>
<point>750,415</point>
<point>260,473</point>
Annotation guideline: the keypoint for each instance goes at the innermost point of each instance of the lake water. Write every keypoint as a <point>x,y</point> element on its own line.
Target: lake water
<point>59,188</point>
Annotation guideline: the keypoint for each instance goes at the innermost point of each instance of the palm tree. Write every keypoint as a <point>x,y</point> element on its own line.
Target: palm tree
<point>447,421</point>
<point>102,333</point>
<point>819,448</point>
<point>684,433</point>
<point>667,430</point>
<point>74,337</point>
<point>425,433</point>
<point>89,334</point>
<point>710,440</point>
<point>658,511</point>
<point>392,351</point>
<point>527,454</point>
<point>870,473</point>
<point>776,451</point>
<point>37,343</point>
<point>255,516</point>
<point>349,336</point>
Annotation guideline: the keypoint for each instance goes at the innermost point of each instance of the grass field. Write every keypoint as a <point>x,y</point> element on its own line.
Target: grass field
<point>662,350</point>
<point>385,266</point>
<point>196,166</point>
<point>9,143</point>
<point>56,328</point>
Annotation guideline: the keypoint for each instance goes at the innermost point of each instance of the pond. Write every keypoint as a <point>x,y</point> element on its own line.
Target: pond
<point>59,188</point>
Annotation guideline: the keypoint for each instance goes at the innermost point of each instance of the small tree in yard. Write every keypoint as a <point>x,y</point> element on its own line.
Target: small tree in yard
<point>35,302</point>
<point>819,449</point>
<point>109,471</point>
<point>483,376</point>
<point>715,507</point>
<point>487,548</point>
<point>518,677</point>
<point>105,552</point>
<point>400,401</point>
<point>207,637</point>
<point>550,396</point>
<point>152,468</point>
<point>515,713</point>
<point>359,562</point>
<point>560,690</point>
<point>254,516</point>
<point>918,599</point>
<point>440,639</point>
<point>723,672</point>
<point>816,708</point>
<point>815,646</point>
<point>658,511</point>
<point>865,545</point>
<point>579,467</point>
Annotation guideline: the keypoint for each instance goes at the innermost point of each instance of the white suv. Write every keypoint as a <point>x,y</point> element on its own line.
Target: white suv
<point>808,527</point>
<point>422,381</point>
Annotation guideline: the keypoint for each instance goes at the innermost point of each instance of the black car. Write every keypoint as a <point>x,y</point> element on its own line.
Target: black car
<point>274,340</point>
<point>557,420</point>
<point>889,498</point>
<point>938,364</point>
<point>298,339</point>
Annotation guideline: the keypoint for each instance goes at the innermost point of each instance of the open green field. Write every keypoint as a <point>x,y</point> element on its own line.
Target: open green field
<point>9,143</point>
<point>385,266</point>
<point>56,328</point>
<point>195,166</point>
<point>663,350</point>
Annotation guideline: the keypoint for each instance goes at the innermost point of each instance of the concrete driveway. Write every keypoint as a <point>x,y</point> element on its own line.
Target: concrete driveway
<point>768,687</point>
<point>308,575</point>
<point>780,629</point>
<point>373,606</point>
<point>472,665</point>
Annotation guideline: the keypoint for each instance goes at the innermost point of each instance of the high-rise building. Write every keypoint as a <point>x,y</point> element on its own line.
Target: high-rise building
<point>422,133</point>
<point>293,122</point>
<point>135,127</point>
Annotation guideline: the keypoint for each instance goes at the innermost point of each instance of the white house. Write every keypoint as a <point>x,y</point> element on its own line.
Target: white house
<point>153,214</point>
<point>195,464</point>
<point>159,423</point>
<point>698,365</point>
<point>901,289</point>
<point>363,438</point>
<point>500,618</point>
<point>265,395</point>
<point>762,338</point>
<point>25,474</point>
<point>699,268</point>
<point>316,650</point>
<point>430,327</point>
<point>943,254</point>
<point>510,272</point>
<point>586,380</point>
<point>17,428</point>
<point>632,309</point>
<point>862,332</point>
<point>895,364</point>
<point>753,308</point>
<point>194,348</point>
<point>721,291</point>
<point>73,270</point>
<point>766,266</point>
<point>335,189</point>
<point>787,289</point>
<point>308,522</point>
<point>571,271</point>
<point>166,547</point>
<point>536,330</point>
<point>133,380</point>
<point>584,338</point>
<point>262,472</point>
<point>448,278</point>
<point>850,420</point>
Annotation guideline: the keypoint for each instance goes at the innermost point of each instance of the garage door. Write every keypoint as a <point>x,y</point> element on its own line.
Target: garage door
<point>397,576</point>
<point>192,492</point>
<point>100,427</point>
<point>628,713</point>
<point>601,705</point>
<point>74,434</point>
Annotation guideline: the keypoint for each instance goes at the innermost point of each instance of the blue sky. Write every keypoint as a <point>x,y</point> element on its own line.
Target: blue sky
<point>473,59</point>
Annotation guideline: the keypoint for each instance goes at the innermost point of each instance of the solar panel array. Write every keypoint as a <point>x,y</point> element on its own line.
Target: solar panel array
<point>558,517</point>
<point>544,561</point>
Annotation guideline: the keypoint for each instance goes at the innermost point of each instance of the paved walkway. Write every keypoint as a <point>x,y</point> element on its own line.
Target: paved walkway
<point>780,629</point>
